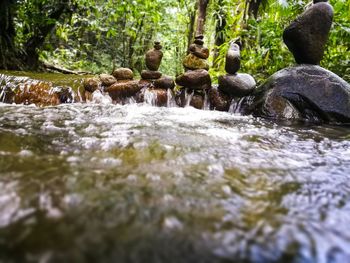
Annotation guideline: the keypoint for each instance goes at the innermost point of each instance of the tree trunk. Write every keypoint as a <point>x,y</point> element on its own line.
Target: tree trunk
<point>7,34</point>
<point>191,25</point>
<point>40,33</point>
<point>253,7</point>
<point>220,18</point>
<point>202,13</point>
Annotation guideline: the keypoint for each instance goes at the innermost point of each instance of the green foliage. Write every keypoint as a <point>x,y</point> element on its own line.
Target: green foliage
<point>263,50</point>
<point>100,35</point>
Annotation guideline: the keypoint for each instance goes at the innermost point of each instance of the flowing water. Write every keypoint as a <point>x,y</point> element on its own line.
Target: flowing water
<point>101,182</point>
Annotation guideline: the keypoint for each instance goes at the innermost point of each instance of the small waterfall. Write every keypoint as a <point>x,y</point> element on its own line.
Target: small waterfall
<point>130,100</point>
<point>170,99</point>
<point>206,104</point>
<point>235,106</point>
<point>30,91</point>
<point>188,97</point>
<point>98,97</point>
<point>150,97</point>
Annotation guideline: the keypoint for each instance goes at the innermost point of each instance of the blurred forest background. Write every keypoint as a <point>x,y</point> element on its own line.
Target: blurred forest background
<point>99,35</point>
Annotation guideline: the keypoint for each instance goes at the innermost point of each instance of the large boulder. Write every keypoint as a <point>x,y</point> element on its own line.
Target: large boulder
<point>121,90</point>
<point>304,92</point>
<point>219,100</point>
<point>164,82</point>
<point>306,36</point>
<point>237,85</point>
<point>194,79</point>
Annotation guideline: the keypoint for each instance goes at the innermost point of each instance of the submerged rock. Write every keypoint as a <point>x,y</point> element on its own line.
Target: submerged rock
<point>219,100</point>
<point>197,101</point>
<point>123,74</point>
<point>153,96</point>
<point>306,36</point>
<point>237,85</point>
<point>304,92</point>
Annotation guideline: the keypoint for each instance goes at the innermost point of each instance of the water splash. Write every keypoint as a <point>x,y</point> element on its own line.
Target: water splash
<point>170,99</point>
<point>150,97</point>
<point>188,97</point>
<point>206,103</point>
<point>235,106</point>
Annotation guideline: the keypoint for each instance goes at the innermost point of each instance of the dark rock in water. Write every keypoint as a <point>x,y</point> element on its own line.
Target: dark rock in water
<point>145,83</point>
<point>150,74</point>
<point>199,51</point>
<point>65,94</point>
<point>193,62</point>
<point>154,57</point>
<point>7,95</point>
<point>123,74</point>
<point>164,82</point>
<point>194,79</point>
<point>237,85</point>
<point>197,101</point>
<point>306,36</point>
<point>219,100</point>
<point>304,92</point>
<point>107,80</point>
<point>124,89</point>
<point>233,59</point>
<point>91,84</point>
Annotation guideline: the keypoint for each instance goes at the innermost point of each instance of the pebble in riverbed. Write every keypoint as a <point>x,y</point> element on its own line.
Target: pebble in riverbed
<point>196,79</point>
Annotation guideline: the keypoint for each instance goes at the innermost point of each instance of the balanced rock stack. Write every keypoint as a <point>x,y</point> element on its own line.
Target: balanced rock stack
<point>153,60</point>
<point>233,84</point>
<point>307,91</point>
<point>196,79</point>
<point>124,87</point>
<point>152,82</point>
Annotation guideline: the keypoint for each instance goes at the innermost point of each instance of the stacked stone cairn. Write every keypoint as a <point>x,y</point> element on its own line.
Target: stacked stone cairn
<point>120,85</point>
<point>233,85</point>
<point>125,86</point>
<point>153,84</point>
<point>196,81</point>
<point>305,91</point>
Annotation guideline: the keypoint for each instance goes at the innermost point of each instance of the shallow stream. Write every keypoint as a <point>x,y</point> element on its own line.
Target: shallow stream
<point>136,183</point>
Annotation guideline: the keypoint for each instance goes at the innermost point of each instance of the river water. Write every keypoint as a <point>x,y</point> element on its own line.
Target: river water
<point>100,182</point>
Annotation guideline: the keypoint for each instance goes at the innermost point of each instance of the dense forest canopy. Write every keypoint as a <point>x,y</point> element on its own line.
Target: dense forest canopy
<point>97,36</point>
